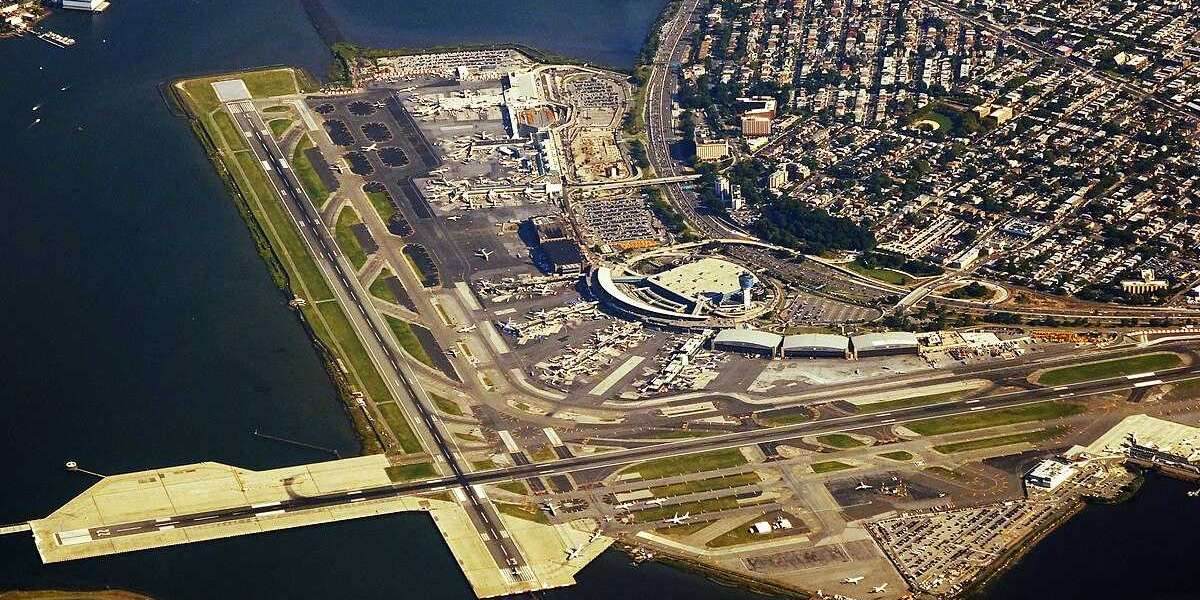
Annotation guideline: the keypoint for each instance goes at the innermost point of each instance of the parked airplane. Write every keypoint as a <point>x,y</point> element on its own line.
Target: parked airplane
<point>370,148</point>
<point>853,580</point>
<point>879,589</point>
<point>484,253</point>
<point>573,553</point>
<point>862,485</point>
<point>679,519</point>
<point>453,217</point>
<point>550,507</point>
<point>656,501</point>
<point>624,505</point>
<point>595,536</point>
<point>379,104</point>
<point>467,328</point>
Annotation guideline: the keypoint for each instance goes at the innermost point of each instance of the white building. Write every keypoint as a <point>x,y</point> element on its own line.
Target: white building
<point>92,5</point>
<point>1049,474</point>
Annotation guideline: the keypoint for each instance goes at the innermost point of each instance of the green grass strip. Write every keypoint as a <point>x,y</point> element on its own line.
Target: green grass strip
<point>1001,440</point>
<point>1044,411</point>
<point>1109,368</point>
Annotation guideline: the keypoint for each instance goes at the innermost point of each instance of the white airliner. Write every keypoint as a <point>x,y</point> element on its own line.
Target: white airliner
<point>624,505</point>
<point>484,253</point>
<point>371,148</point>
<point>453,217</point>
<point>656,501</point>
<point>862,485</point>
<point>679,519</point>
<point>379,104</point>
<point>595,536</point>
<point>573,553</point>
<point>853,580</point>
<point>550,507</point>
<point>467,328</point>
<point>337,167</point>
<point>879,589</point>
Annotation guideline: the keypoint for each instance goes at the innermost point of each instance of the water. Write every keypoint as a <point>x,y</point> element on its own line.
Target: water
<point>1145,549</point>
<point>141,328</point>
<point>606,32</point>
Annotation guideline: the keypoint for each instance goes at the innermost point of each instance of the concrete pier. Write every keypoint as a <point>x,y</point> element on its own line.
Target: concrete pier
<point>205,501</point>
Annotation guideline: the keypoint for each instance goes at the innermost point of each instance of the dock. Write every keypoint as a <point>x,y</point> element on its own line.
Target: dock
<point>54,39</point>
<point>205,501</point>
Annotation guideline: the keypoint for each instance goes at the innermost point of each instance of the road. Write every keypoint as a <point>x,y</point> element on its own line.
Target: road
<point>618,458</point>
<point>366,324</point>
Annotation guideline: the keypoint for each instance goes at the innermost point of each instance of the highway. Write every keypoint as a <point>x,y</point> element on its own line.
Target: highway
<point>618,458</point>
<point>323,249</point>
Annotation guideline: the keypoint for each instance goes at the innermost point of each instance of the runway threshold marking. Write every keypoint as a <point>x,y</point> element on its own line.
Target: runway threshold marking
<point>1140,375</point>
<point>1142,384</point>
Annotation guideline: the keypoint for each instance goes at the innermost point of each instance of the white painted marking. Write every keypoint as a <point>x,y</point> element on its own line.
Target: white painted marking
<point>1140,375</point>
<point>1060,388</point>
<point>1142,384</point>
<point>978,407</point>
<point>266,166</point>
<point>264,504</point>
<point>353,500</point>
<point>888,421</point>
<point>162,520</point>
<point>283,163</point>
<point>166,527</point>
<point>269,513</point>
<point>355,492</point>
<point>970,401</point>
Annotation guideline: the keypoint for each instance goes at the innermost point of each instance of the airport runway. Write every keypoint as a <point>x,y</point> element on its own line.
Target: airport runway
<point>267,151</point>
<point>662,450</point>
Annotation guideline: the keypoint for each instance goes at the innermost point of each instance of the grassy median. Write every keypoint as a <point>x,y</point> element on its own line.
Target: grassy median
<point>346,240</point>
<point>408,339</point>
<point>910,402</point>
<point>1030,437</point>
<point>307,174</point>
<point>689,463</point>
<point>1110,368</point>
<point>1044,411</point>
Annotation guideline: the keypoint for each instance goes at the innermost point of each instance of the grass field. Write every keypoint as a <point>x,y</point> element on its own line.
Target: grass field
<point>875,407</point>
<point>379,288</point>
<point>346,240</point>
<point>1044,411</point>
<point>695,508</point>
<point>884,275</point>
<point>399,426</point>
<point>830,466</point>
<point>1110,368</point>
<point>839,440</point>
<point>676,434</point>
<point>262,84</point>
<point>408,340</point>
<point>229,131</point>
<point>783,417</point>
<point>313,186</point>
<point>898,455</point>
<point>446,405</point>
<point>1000,440</point>
<point>689,463</point>
<point>279,126</point>
<point>278,108</point>
<point>467,437</point>
<point>523,512</point>
<point>516,487</point>
<point>382,205</point>
<point>944,472</point>
<point>705,485</point>
<point>400,473</point>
